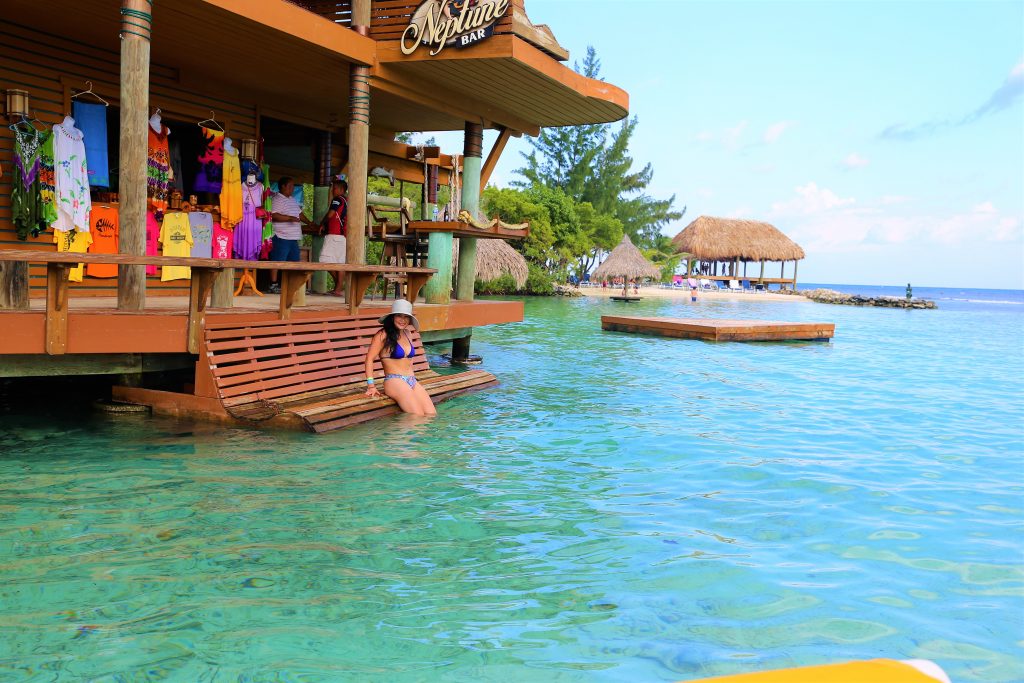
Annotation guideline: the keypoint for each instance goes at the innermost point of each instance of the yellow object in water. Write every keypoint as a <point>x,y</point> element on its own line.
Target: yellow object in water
<point>876,671</point>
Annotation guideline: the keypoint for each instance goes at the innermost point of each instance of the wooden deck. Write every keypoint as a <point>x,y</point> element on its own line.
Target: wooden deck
<point>711,329</point>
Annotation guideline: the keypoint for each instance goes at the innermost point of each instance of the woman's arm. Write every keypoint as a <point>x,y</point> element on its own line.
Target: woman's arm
<point>376,344</point>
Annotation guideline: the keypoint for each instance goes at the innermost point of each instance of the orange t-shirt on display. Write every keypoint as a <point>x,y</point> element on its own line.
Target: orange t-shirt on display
<point>103,222</point>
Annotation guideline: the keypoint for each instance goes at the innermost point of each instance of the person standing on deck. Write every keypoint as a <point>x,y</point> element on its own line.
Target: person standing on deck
<point>335,231</point>
<point>288,219</point>
<point>393,346</point>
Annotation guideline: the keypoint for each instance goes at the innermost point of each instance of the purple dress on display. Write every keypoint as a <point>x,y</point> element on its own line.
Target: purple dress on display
<point>249,233</point>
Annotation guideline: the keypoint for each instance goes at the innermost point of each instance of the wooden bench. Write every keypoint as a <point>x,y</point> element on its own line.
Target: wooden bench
<point>313,369</point>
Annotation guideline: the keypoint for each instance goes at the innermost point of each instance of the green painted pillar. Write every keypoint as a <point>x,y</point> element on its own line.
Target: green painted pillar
<point>321,201</point>
<point>438,289</point>
<point>471,164</point>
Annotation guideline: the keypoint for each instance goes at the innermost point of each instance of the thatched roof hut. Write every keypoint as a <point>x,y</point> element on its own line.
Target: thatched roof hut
<point>627,262</point>
<point>728,239</point>
<point>495,258</point>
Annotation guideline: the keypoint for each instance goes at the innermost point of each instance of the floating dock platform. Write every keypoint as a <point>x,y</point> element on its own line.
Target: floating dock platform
<point>711,329</point>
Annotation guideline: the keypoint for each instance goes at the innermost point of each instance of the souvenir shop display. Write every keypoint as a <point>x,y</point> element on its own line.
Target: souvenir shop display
<point>27,208</point>
<point>249,232</point>
<point>223,239</point>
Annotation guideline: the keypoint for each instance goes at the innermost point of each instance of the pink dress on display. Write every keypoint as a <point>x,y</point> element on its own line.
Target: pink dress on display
<point>152,240</point>
<point>249,232</point>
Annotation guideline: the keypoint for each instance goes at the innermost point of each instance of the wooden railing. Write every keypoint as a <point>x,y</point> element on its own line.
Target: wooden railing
<point>205,272</point>
<point>388,18</point>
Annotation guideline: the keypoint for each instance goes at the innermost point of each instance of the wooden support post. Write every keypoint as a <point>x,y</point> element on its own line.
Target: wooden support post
<point>492,158</point>
<point>57,308</point>
<point>357,284</point>
<point>466,279</point>
<point>414,283</point>
<point>14,284</point>
<point>795,264</point>
<point>358,142</point>
<point>293,283</point>
<point>223,289</point>
<point>136,29</point>
<point>760,278</point>
<point>198,294</point>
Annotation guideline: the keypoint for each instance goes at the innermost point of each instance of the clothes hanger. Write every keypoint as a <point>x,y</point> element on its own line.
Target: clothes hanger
<point>89,91</point>
<point>213,120</point>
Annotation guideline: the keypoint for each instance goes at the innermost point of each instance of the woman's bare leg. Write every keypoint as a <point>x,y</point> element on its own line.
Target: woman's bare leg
<point>426,405</point>
<point>403,395</point>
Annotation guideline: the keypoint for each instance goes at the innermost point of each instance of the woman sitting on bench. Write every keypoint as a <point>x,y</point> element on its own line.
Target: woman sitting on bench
<point>393,346</point>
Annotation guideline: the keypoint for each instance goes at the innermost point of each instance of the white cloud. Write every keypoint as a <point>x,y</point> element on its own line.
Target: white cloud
<point>810,199</point>
<point>775,131</point>
<point>890,199</point>
<point>704,136</point>
<point>850,229</point>
<point>731,136</point>
<point>854,160</point>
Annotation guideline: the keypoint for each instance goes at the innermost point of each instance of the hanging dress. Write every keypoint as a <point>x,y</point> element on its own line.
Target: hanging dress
<point>249,232</point>
<point>231,192</point>
<point>71,178</point>
<point>26,201</point>
<point>152,240</point>
<point>211,161</point>
<point>158,164</point>
<point>47,180</point>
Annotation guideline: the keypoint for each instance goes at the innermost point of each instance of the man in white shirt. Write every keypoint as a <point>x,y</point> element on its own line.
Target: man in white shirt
<point>288,219</point>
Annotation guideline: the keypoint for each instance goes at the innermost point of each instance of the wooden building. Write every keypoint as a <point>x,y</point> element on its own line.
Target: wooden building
<point>323,86</point>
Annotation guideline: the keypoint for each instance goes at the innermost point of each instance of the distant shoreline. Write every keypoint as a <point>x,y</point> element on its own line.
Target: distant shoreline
<point>663,293</point>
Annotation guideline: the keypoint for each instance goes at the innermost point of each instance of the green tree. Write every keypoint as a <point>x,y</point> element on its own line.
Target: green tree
<point>592,165</point>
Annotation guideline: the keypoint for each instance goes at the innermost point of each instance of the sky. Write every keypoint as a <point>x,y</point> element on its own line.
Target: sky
<point>887,139</point>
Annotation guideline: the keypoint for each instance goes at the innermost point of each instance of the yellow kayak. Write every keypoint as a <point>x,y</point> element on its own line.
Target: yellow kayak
<point>876,671</point>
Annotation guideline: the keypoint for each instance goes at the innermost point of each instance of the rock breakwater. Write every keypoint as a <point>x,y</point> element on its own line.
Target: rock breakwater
<point>830,296</point>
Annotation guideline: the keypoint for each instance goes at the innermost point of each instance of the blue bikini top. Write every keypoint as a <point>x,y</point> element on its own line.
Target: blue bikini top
<point>398,352</point>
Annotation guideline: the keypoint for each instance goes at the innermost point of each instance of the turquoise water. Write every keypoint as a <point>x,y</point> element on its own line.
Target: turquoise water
<point>622,508</point>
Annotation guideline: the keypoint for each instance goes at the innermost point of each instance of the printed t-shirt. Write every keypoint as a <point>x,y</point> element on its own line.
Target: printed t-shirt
<point>336,218</point>
<point>201,224</point>
<point>223,241</point>
<point>176,237</point>
<point>286,230</point>
<point>76,242</point>
<point>104,228</point>
<point>152,240</point>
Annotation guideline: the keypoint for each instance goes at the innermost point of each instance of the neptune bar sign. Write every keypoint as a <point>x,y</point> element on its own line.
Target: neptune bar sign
<point>439,23</point>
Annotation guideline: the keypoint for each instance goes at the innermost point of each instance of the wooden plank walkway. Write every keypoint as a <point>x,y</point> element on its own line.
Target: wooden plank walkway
<point>711,329</point>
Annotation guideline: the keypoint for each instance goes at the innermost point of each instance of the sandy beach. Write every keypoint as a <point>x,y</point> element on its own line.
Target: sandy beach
<point>660,293</point>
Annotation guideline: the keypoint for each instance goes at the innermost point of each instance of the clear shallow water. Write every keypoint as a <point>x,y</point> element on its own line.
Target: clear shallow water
<point>622,508</point>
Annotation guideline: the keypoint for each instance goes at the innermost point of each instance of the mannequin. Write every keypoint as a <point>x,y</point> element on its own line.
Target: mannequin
<point>155,123</point>
<point>228,147</point>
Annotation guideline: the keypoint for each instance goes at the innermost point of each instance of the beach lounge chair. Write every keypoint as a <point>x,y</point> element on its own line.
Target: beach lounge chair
<point>708,286</point>
<point>760,288</point>
<point>735,286</point>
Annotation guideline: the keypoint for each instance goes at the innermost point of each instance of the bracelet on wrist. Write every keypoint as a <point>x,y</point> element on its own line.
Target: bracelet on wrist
<point>369,381</point>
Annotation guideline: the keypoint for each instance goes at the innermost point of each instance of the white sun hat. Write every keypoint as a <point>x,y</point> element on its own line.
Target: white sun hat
<point>402,307</point>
